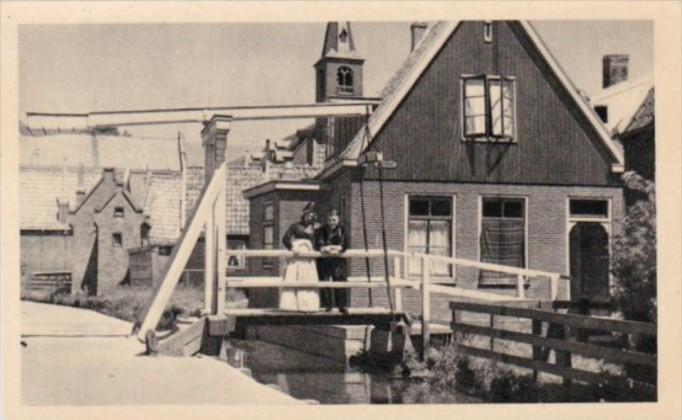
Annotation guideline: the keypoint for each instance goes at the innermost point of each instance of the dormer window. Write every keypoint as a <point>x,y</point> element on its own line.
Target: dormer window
<point>488,108</point>
<point>344,81</point>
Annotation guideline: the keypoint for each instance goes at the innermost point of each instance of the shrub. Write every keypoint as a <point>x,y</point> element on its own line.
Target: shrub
<point>634,255</point>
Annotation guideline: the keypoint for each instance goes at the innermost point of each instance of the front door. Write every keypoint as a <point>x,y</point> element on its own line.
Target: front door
<point>589,262</point>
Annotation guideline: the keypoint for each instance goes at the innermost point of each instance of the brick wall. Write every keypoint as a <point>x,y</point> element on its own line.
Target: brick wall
<point>112,259</point>
<point>45,250</point>
<point>546,216</point>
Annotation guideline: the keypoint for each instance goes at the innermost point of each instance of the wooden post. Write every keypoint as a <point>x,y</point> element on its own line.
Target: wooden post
<point>209,261</point>
<point>181,253</point>
<point>492,326</point>
<point>553,287</point>
<point>397,291</point>
<point>426,305</point>
<point>563,358</point>
<point>221,238</point>
<point>520,293</point>
<point>537,350</point>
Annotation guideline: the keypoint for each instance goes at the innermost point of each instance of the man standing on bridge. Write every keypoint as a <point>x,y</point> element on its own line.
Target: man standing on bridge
<point>331,239</point>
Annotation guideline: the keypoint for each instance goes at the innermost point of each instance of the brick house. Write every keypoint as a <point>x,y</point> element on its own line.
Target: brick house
<point>499,159</point>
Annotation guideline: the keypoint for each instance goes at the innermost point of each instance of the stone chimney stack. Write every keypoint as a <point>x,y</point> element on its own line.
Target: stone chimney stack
<point>62,210</point>
<point>214,140</point>
<point>615,69</point>
<point>417,29</point>
<point>109,174</point>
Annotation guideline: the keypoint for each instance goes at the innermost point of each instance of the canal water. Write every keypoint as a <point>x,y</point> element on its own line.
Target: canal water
<point>309,377</point>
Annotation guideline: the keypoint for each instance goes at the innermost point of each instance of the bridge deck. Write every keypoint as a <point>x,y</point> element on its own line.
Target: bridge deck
<point>223,325</point>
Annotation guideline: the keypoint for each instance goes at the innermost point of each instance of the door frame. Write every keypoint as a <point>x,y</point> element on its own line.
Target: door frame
<point>606,222</point>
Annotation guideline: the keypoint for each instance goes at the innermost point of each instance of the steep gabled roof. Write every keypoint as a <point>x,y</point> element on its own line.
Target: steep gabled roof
<point>645,114</point>
<point>418,61</point>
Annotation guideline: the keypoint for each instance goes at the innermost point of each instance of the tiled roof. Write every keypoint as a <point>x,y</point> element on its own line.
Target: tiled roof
<point>74,150</point>
<point>41,187</point>
<point>645,114</point>
<point>162,205</point>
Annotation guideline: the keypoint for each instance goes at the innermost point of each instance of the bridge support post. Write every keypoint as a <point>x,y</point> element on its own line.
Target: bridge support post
<point>398,298</point>
<point>426,305</point>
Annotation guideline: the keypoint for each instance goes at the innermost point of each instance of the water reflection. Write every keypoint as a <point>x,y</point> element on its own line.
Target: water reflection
<point>306,376</point>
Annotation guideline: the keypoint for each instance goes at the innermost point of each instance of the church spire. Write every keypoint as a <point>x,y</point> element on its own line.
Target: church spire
<point>339,69</point>
<point>338,41</point>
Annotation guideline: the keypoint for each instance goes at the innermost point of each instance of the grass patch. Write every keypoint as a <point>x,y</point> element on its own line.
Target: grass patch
<point>127,303</point>
<point>498,382</point>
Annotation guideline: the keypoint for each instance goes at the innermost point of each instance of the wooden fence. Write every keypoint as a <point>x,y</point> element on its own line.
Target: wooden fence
<point>52,281</point>
<point>558,337</point>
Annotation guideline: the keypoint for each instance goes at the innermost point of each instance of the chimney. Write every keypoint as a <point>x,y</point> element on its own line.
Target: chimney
<point>62,210</point>
<point>417,29</point>
<point>109,174</point>
<point>214,141</point>
<point>615,69</point>
<point>80,196</point>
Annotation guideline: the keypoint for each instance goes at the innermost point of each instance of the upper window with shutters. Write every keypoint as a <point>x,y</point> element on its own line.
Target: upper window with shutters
<point>488,108</point>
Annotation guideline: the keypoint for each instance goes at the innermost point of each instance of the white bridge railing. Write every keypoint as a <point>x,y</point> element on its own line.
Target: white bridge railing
<point>209,216</point>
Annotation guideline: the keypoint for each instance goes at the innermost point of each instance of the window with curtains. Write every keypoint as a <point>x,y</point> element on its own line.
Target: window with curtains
<point>429,231</point>
<point>503,238</point>
<point>489,108</point>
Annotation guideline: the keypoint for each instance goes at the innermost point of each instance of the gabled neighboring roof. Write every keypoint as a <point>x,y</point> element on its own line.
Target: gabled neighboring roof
<point>418,61</point>
<point>645,114</point>
<point>40,187</point>
<point>623,100</point>
<point>126,194</point>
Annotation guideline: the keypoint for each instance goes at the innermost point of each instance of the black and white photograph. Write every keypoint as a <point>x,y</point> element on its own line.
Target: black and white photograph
<point>451,209</point>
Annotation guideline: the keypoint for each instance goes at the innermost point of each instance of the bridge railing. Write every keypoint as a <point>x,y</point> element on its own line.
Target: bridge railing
<point>209,216</point>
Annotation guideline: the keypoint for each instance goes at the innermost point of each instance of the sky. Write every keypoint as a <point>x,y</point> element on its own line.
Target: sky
<point>98,67</point>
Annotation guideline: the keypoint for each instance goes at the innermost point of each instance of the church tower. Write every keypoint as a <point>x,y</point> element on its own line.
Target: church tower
<point>338,73</point>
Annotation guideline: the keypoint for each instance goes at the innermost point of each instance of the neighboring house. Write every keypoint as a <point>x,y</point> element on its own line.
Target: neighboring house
<point>627,109</point>
<point>499,159</point>
<point>160,178</point>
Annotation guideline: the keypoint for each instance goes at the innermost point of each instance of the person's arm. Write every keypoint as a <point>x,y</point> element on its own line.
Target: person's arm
<point>344,239</point>
<point>286,239</point>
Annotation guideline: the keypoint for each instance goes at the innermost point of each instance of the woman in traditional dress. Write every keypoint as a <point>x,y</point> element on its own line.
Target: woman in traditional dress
<point>299,238</point>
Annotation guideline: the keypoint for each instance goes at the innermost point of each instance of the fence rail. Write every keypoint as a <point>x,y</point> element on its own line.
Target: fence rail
<point>558,338</point>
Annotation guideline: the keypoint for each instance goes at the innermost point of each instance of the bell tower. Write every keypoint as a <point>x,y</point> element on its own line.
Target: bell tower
<point>338,72</point>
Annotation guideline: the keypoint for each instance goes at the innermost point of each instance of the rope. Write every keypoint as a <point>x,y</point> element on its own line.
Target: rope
<point>383,240</point>
<point>362,206</point>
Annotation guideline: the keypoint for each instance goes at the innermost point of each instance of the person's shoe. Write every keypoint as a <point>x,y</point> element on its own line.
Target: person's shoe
<point>343,310</point>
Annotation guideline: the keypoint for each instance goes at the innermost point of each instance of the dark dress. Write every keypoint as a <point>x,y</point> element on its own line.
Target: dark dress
<point>332,268</point>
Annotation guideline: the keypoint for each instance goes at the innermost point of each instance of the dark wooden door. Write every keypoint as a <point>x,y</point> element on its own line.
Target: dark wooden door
<point>589,262</point>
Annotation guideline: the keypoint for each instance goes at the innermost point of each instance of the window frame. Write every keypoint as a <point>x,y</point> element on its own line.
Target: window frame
<point>119,212</point>
<point>488,136</point>
<point>268,223</point>
<point>451,198</point>
<point>117,239</point>
<point>504,197</point>
<point>488,31</point>
<point>342,75</point>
